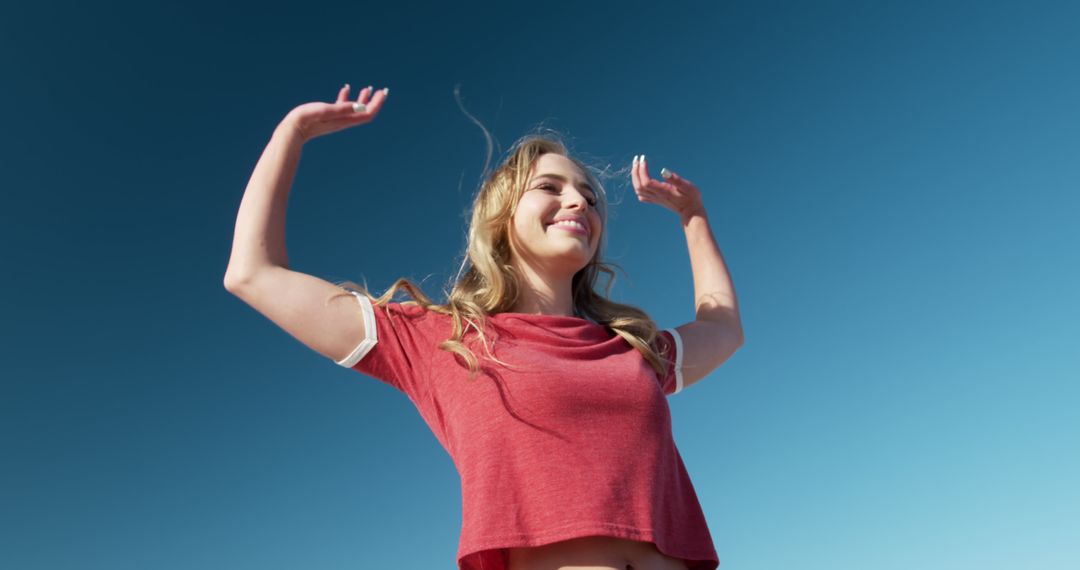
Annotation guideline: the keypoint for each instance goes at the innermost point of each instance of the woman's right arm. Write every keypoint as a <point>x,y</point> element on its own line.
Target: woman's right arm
<point>259,237</point>
<point>258,271</point>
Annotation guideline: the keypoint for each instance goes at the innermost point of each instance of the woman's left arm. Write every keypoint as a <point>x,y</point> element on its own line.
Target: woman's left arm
<point>717,331</point>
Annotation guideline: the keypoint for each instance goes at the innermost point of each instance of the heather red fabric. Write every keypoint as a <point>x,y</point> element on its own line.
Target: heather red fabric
<point>574,441</point>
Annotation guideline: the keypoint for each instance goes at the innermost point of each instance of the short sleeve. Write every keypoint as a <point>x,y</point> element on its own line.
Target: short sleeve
<point>397,345</point>
<point>671,347</point>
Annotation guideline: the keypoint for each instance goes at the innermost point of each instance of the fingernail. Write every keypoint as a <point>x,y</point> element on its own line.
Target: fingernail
<point>643,158</point>
<point>635,159</point>
<point>369,88</point>
<point>386,91</point>
<point>346,86</point>
<point>665,173</point>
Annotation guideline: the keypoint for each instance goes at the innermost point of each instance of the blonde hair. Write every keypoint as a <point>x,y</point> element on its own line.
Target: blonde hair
<point>491,285</point>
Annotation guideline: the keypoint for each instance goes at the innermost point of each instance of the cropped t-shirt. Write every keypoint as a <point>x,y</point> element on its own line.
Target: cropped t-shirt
<point>574,440</point>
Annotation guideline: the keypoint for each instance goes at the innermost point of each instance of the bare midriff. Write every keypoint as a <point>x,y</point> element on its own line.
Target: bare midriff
<point>593,553</point>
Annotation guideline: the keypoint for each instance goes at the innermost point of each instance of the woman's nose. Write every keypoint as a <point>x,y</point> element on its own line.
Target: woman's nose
<point>579,198</point>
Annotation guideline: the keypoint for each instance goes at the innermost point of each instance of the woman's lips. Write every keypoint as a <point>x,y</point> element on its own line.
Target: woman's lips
<point>569,228</point>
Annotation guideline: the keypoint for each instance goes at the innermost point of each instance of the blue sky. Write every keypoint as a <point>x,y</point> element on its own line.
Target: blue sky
<point>894,187</point>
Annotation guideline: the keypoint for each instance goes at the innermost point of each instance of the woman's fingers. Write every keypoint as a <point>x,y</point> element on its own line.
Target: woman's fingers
<point>643,171</point>
<point>644,194</point>
<point>673,191</point>
<point>360,111</point>
<point>376,101</point>
<point>639,172</point>
<point>641,176</point>
<point>316,118</point>
<point>345,113</point>
<point>680,184</point>
<point>371,103</point>
<point>364,95</point>
<point>634,174</point>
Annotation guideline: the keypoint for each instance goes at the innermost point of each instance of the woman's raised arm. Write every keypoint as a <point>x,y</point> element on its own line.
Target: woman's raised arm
<point>259,237</point>
<point>258,271</point>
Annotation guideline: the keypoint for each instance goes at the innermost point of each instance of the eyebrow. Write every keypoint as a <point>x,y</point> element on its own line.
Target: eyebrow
<point>562,178</point>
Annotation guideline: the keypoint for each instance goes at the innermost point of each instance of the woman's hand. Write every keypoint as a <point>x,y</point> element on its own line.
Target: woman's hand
<point>312,120</point>
<point>677,194</point>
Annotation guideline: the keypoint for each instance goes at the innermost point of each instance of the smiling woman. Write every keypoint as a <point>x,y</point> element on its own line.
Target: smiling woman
<point>550,397</point>
<point>544,216</point>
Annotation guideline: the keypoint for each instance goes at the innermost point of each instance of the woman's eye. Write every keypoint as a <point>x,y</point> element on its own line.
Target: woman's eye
<point>591,201</point>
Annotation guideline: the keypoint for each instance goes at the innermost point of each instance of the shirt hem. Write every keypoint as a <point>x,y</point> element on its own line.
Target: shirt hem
<point>525,540</point>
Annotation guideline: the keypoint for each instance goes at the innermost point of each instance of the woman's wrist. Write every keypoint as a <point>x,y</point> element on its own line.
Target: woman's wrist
<point>686,217</point>
<point>291,129</point>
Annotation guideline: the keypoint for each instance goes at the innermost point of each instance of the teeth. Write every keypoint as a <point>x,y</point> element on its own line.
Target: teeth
<point>570,223</point>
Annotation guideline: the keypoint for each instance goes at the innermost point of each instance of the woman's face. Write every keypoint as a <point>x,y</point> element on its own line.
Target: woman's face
<point>556,189</point>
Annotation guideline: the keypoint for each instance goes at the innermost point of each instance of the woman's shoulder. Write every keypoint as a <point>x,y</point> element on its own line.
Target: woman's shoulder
<point>413,310</point>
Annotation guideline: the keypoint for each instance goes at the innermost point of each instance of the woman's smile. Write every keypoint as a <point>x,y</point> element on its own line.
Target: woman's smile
<point>572,227</point>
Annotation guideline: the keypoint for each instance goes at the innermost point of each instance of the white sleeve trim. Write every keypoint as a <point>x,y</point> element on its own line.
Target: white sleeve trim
<point>371,334</point>
<point>678,361</point>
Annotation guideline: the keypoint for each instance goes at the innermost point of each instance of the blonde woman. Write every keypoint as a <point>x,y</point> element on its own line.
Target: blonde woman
<point>549,397</point>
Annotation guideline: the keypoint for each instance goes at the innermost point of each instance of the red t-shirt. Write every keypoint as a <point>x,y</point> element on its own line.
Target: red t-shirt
<point>574,441</point>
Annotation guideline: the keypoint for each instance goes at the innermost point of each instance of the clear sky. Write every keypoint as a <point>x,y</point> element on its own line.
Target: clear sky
<point>895,187</point>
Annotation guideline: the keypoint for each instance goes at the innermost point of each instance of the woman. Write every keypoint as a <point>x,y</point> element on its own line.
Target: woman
<point>549,397</point>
